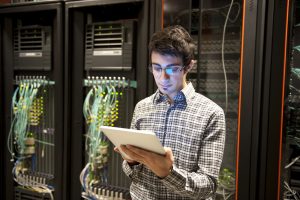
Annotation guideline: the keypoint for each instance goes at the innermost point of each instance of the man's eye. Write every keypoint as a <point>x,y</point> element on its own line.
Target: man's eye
<point>158,69</point>
<point>169,70</point>
<point>175,69</point>
<point>172,69</point>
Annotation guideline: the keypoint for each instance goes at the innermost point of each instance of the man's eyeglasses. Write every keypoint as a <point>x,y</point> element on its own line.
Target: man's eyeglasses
<point>170,70</point>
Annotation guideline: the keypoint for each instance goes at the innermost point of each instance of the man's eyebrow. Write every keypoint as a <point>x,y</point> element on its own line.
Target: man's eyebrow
<point>169,65</point>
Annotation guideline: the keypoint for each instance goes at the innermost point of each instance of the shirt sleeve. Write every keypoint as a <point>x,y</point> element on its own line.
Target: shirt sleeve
<point>203,182</point>
<point>127,169</point>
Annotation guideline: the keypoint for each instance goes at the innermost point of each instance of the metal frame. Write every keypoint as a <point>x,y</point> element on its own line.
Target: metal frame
<point>57,74</point>
<point>250,98</point>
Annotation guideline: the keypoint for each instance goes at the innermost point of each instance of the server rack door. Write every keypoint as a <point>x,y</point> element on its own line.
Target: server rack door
<point>290,136</point>
<point>282,181</point>
<point>217,28</point>
<point>102,48</point>
<point>228,71</point>
<point>33,89</point>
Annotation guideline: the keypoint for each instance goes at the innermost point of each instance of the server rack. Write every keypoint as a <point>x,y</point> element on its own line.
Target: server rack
<point>279,175</point>
<point>83,59</point>
<point>243,60</point>
<point>27,29</point>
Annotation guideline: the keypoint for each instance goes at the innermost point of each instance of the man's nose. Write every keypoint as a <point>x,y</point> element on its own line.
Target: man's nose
<point>164,74</point>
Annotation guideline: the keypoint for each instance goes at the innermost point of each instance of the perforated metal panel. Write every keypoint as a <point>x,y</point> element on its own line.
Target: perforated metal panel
<point>32,48</point>
<point>109,46</point>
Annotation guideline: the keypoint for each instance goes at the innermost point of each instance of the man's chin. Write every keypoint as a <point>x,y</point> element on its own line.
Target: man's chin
<point>164,91</point>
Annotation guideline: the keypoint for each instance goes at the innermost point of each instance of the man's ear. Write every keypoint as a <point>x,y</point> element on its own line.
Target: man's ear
<point>189,67</point>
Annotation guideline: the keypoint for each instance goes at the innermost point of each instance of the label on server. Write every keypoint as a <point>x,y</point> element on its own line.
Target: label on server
<point>31,54</point>
<point>107,53</point>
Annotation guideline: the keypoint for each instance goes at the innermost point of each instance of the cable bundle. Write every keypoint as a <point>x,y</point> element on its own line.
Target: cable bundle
<point>100,108</point>
<point>27,121</point>
<point>22,101</point>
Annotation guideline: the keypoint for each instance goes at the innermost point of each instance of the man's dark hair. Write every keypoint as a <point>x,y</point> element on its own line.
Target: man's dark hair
<point>174,41</point>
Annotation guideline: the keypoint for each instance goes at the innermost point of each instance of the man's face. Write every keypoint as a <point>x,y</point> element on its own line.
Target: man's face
<point>168,84</point>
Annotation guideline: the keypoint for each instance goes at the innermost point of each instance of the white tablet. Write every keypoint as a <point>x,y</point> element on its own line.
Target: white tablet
<point>140,138</point>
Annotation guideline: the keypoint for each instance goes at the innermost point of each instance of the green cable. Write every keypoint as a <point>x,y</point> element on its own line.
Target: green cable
<point>100,107</point>
<point>26,92</point>
<point>13,121</point>
<point>297,48</point>
<point>97,108</point>
<point>43,142</point>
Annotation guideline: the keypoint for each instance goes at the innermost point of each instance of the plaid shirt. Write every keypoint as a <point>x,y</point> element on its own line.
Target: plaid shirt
<point>194,128</point>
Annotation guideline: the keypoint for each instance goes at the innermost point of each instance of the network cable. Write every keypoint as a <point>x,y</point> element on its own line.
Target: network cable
<point>223,59</point>
<point>26,111</point>
<point>100,107</point>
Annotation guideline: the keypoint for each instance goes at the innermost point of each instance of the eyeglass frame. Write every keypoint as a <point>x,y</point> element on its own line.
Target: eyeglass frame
<point>171,73</point>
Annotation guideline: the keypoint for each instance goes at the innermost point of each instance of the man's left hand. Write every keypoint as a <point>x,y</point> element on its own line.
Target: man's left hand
<point>158,164</point>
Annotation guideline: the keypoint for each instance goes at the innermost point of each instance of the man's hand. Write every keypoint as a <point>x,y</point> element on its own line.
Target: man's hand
<point>130,162</point>
<point>158,164</point>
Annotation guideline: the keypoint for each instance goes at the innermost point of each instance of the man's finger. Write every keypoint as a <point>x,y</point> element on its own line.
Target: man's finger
<point>117,150</point>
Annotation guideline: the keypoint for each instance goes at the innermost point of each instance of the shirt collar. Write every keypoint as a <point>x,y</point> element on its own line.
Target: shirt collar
<point>181,97</point>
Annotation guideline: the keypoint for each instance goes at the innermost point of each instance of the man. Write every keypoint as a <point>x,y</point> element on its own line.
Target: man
<point>190,126</point>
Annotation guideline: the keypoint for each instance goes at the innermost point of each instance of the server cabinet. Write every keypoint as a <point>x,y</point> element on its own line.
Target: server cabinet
<point>106,43</point>
<point>229,66</point>
<point>280,137</point>
<point>32,52</point>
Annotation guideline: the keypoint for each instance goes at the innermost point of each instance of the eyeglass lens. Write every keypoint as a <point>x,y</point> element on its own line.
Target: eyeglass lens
<point>168,70</point>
